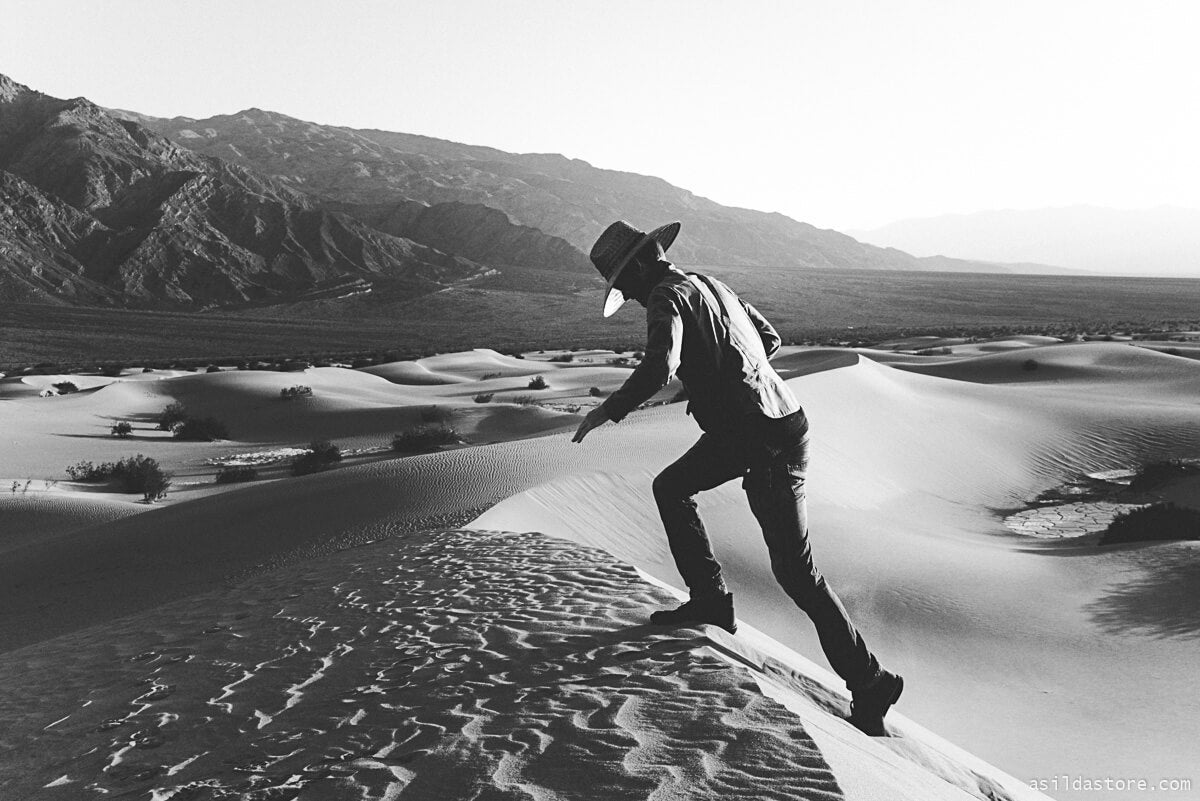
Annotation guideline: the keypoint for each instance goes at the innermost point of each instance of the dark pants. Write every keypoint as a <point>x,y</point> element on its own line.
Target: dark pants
<point>771,456</point>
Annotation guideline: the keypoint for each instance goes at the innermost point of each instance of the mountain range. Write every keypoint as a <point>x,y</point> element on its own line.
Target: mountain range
<point>111,207</point>
<point>1162,241</point>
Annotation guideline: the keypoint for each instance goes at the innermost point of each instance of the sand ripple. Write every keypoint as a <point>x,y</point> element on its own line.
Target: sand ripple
<point>446,665</point>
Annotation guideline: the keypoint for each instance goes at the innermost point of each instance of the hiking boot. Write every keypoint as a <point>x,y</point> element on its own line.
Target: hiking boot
<point>871,703</point>
<point>717,610</point>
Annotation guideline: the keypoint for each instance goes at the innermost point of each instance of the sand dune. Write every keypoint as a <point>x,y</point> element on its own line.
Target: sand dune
<point>35,510</point>
<point>413,373</point>
<point>1107,364</point>
<point>1041,657</point>
<point>447,665</point>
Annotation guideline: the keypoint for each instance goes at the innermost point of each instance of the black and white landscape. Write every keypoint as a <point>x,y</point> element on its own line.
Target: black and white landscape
<point>289,503</point>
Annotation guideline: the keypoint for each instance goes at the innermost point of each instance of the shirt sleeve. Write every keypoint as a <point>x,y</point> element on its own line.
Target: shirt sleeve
<point>766,332</point>
<point>664,343</point>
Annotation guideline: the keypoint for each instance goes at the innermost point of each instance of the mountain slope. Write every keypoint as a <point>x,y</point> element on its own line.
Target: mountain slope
<point>564,198</point>
<point>99,209</point>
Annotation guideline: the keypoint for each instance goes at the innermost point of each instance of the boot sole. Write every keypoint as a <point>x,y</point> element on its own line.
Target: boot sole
<point>732,629</point>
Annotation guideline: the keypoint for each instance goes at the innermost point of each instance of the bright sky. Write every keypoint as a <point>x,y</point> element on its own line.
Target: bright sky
<point>842,113</point>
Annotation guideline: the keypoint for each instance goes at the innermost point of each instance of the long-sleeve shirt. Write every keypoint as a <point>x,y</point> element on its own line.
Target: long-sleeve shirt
<point>717,344</point>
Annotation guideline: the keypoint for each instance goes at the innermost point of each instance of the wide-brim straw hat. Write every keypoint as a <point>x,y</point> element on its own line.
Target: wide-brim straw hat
<point>616,247</point>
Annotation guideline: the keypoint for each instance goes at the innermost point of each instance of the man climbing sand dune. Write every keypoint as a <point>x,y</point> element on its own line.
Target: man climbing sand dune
<point>754,429</point>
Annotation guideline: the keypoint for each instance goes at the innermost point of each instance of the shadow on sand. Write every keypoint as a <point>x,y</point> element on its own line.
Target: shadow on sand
<point>1161,599</point>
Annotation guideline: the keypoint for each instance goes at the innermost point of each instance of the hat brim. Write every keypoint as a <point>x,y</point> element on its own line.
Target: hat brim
<point>615,298</point>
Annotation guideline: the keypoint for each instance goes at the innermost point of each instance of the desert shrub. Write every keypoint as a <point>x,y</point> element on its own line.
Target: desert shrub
<point>212,368</point>
<point>233,474</point>
<point>563,357</point>
<point>619,361</point>
<point>172,415</point>
<point>637,354</point>
<point>486,376</point>
<point>524,400</point>
<point>518,355</point>
<point>298,391</point>
<point>142,474</point>
<point>86,471</point>
<point>484,397</point>
<point>201,429</point>
<point>65,387</point>
<point>1155,474</point>
<point>321,455</point>
<point>434,414</point>
<point>537,382</point>
<point>595,392</point>
<point>1160,521</point>
<point>135,474</point>
<point>147,369</point>
<point>1029,365</point>
<point>122,429</point>
<point>424,438</point>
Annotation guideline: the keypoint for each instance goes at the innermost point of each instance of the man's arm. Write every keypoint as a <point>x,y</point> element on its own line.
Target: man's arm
<point>664,342</point>
<point>766,332</point>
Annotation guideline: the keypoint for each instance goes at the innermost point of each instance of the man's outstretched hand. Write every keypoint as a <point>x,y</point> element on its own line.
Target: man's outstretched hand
<point>594,419</point>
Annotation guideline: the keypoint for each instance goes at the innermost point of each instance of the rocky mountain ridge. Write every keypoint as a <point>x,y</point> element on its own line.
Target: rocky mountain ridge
<point>565,198</point>
<point>98,209</point>
<point>258,208</point>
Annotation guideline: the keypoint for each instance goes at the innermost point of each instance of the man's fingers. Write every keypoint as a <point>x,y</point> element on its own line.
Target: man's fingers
<point>594,419</point>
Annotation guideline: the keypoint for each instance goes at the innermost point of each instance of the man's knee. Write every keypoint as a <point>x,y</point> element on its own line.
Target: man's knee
<point>666,487</point>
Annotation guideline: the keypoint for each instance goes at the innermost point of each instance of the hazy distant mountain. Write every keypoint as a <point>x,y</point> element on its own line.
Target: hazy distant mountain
<point>96,209</point>
<point>564,198</point>
<point>1160,241</point>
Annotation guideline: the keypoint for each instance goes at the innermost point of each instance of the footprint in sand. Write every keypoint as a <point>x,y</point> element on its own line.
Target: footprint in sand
<point>128,772</point>
<point>147,738</point>
<point>159,692</point>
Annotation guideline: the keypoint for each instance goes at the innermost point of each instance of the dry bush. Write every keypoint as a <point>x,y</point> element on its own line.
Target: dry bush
<point>423,439</point>
<point>321,455</point>
<point>1160,521</point>
<point>233,474</point>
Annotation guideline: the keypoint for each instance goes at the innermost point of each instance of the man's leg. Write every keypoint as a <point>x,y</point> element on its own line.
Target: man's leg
<point>776,491</point>
<point>709,463</point>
